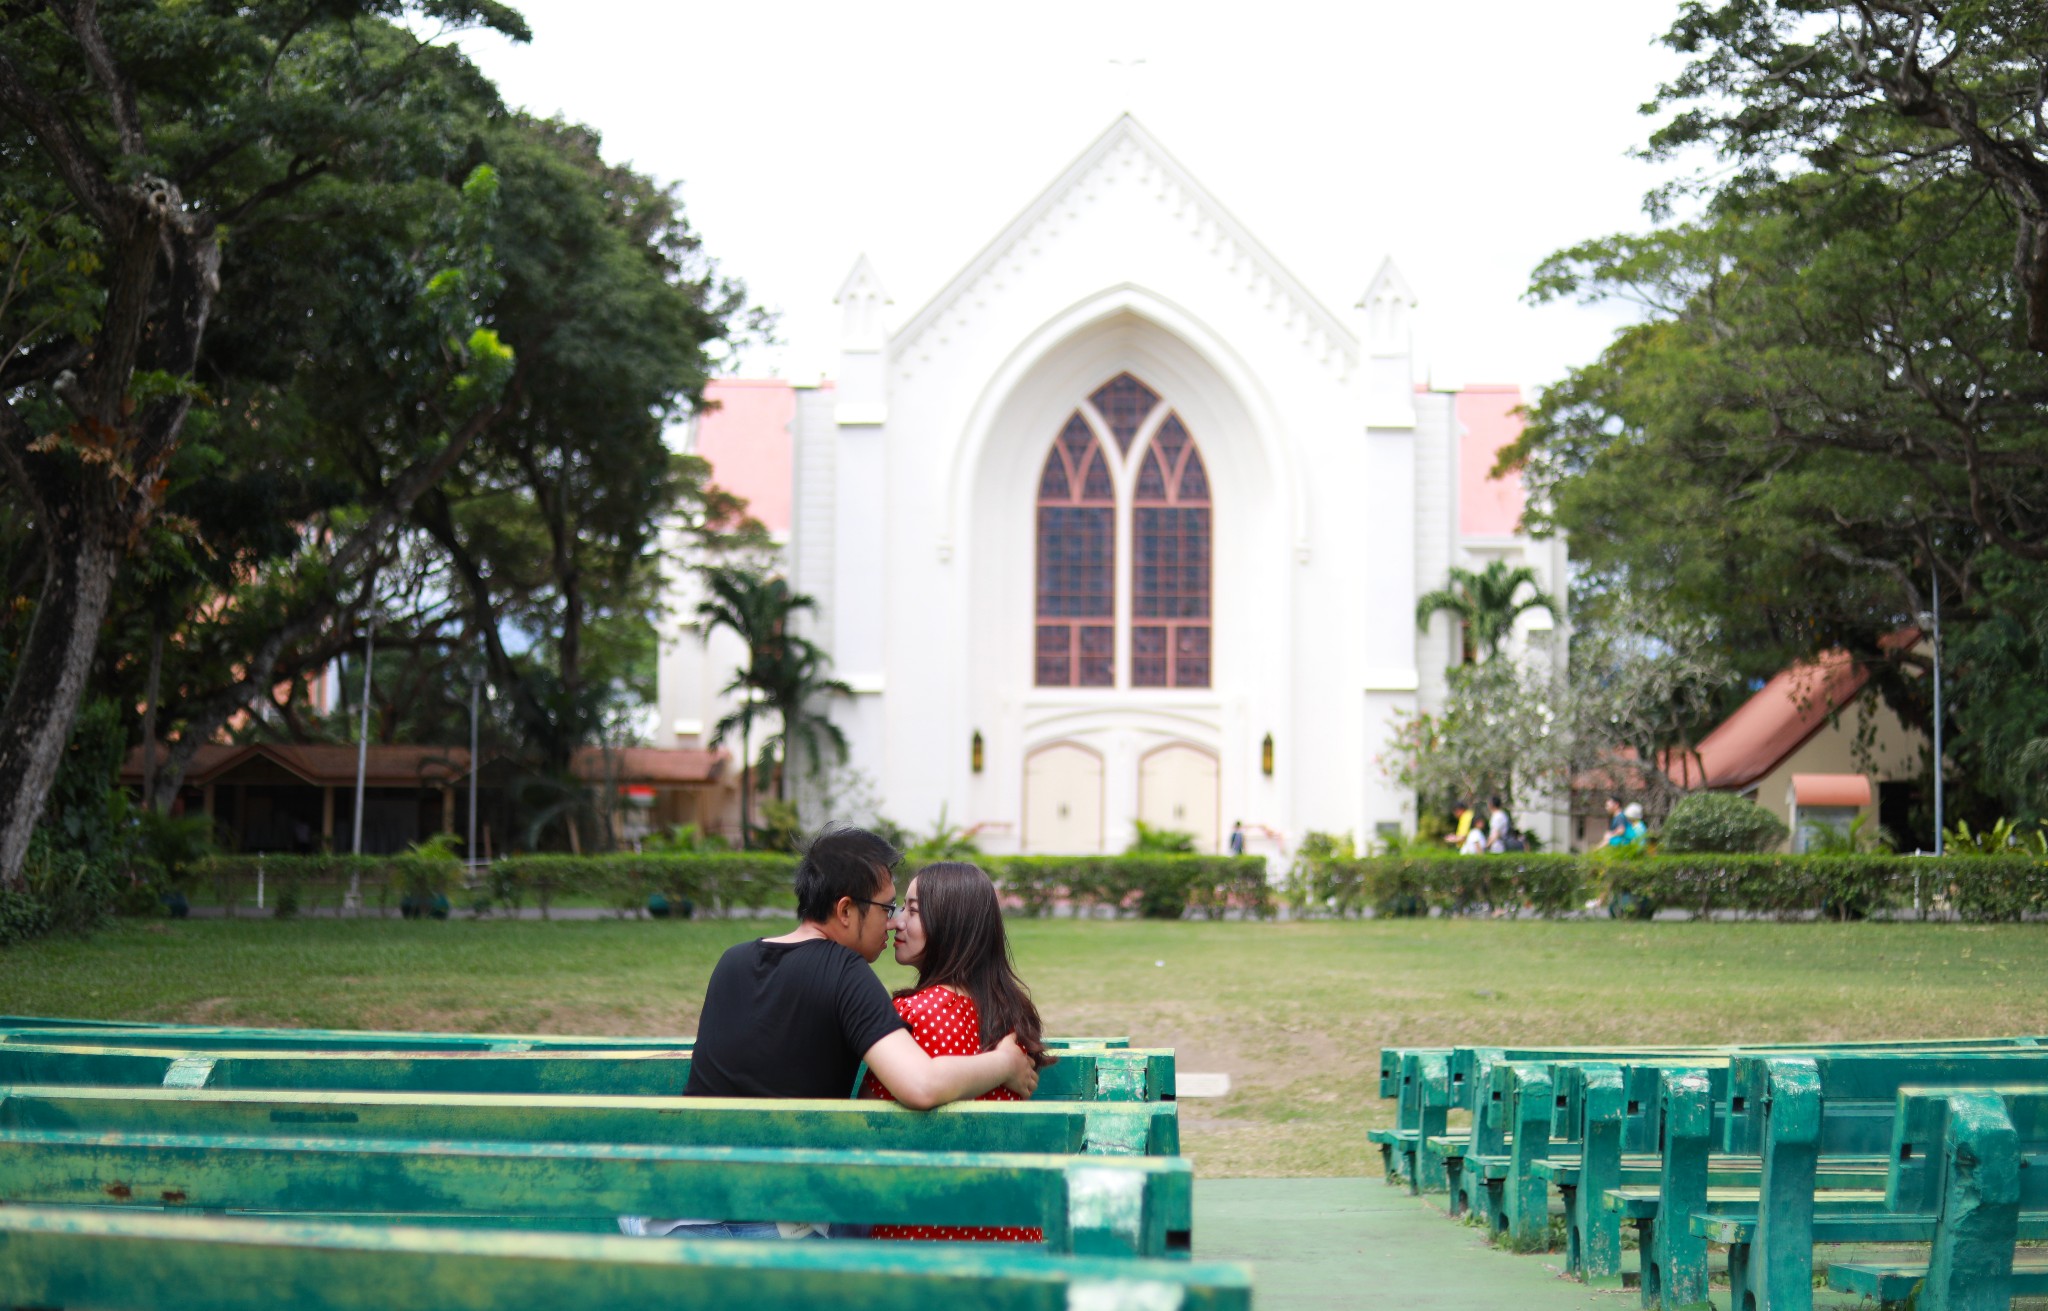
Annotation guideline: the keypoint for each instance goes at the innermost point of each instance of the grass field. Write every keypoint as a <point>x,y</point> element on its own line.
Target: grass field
<point>1294,1013</point>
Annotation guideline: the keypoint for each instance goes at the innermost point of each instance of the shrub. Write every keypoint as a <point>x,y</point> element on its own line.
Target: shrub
<point>1846,886</point>
<point>1720,822</point>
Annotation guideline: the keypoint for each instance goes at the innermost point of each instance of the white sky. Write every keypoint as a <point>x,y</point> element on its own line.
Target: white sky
<point>1468,140</point>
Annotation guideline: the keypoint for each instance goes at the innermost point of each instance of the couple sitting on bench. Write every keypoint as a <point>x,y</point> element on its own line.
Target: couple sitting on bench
<point>796,1016</point>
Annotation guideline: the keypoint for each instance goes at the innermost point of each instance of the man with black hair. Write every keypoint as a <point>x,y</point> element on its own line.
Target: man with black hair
<point>795,1016</point>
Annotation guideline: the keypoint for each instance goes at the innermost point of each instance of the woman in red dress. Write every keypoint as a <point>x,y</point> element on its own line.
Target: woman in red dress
<point>966,998</point>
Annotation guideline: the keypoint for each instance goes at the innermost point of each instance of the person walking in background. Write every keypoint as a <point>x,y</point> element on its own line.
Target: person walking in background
<point>1456,837</point>
<point>1617,823</point>
<point>967,998</point>
<point>1633,828</point>
<point>1237,837</point>
<point>1498,826</point>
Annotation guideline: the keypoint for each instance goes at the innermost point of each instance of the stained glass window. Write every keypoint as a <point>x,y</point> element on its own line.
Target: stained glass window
<point>1123,402</point>
<point>1076,637</point>
<point>1170,552</point>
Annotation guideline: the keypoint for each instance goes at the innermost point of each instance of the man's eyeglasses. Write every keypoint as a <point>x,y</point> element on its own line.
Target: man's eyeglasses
<point>888,906</point>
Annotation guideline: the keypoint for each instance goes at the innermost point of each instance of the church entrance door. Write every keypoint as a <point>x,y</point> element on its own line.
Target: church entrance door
<point>1177,790</point>
<point>1063,801</point>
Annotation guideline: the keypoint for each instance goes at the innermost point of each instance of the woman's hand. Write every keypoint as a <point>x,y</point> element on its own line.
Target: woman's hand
<point>1023,1078</point>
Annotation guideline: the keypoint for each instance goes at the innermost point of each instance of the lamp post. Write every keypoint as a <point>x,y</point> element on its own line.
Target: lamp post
<point>1934,569</point>
<point>355,875</point>
<point>476,691</point>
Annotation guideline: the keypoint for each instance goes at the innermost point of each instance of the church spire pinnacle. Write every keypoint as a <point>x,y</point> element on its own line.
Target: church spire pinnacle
<point>860,301</point>
<point>1389,309</point>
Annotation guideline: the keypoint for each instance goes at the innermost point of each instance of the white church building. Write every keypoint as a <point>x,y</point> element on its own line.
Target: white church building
<point>1125,523</point>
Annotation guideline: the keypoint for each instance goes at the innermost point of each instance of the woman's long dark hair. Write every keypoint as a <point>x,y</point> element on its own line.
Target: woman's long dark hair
<point>965,947</point>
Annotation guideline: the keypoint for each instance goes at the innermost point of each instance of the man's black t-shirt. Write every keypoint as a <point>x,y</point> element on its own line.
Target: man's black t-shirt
<point>788,1019</point>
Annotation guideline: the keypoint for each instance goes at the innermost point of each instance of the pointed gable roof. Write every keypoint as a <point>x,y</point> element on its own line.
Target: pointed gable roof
<point>1231,242</point>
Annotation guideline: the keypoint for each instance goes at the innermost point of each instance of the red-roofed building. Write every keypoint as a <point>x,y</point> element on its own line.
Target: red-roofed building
<point>1814,744</point>
<point>301,797</point>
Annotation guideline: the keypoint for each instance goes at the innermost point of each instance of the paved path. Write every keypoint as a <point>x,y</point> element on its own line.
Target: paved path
<point>1316,1244</point>
<point>1322,1244</point>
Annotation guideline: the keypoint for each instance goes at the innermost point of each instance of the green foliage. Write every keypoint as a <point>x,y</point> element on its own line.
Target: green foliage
<point>945,841</point>
<point>1833,886</point>
<point>1324,875</point>
<point>1783,444</point>
<point>1150,841</point>
<point>1486,602</point>
<point>682,840</point>
<point>1859,836</point>
<point>1720,822</point>
<point>1152,886</point>
<point>780,829</point>
<point>2004,837</point>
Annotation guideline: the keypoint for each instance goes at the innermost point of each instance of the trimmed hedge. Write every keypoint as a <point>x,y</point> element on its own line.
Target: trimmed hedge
<point>1978,888</point>
<point>1155,886</point>
<point>294,883</point>
<point>719,880</point>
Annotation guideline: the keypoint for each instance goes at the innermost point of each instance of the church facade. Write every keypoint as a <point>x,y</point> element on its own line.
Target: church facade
<point>1125,524</point>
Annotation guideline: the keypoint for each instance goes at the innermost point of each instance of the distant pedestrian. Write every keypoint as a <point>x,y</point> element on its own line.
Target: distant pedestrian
<point>1635,830</point>
<point>1237,837</point>
<point>1617,823</point>
<point>1463,812</point>
<point>1498,826</point>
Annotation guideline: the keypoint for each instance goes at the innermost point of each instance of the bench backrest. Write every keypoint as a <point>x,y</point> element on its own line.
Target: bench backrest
<point>1857,1090</point>
<point>1111,1205</point>
<point>1131,1074</point>
<point>64,1256</point>
<point>1932,1125</point>
<point>193,1037</point>
<point>1104,1128</point>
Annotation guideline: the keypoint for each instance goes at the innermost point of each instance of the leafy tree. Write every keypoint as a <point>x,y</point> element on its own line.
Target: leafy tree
<point>1895,89</point>
<point>1836,392</point>
<point>552,526</point>
<point>1485,602</point>
<point>133,141</point>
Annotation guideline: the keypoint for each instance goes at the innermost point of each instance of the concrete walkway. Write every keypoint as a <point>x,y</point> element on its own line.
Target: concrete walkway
<point>1325,1243</point>
<point>1320,1244</point>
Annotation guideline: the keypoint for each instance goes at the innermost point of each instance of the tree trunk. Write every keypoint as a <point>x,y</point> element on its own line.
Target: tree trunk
<point>746,771</point>
<point>78,584</point>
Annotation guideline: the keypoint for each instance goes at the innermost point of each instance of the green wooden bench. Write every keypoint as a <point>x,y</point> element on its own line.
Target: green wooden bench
<point>1101,1074</point>
<point>44,1031</point>
<point>1771,1234</point>
<point>1423,1102</point>
<point>1087,1205</point>
<point>56,1257</point>
<point>1100,1128</point>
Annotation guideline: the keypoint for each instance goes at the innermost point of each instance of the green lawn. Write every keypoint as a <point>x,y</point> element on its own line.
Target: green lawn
<point>1294,1013</point>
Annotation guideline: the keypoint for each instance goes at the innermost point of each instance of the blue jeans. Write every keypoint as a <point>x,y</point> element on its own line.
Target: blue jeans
<point>759,1229</point>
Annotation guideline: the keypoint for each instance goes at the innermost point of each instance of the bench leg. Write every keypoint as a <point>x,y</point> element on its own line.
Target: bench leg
<point>1593,1237</point>
<point>1970,1268</point>
<point>1741,1292</point>
<point>1426,1168</point>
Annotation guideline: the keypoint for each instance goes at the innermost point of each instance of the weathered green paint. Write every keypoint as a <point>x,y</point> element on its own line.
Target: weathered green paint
<point>51,1257</point>
<point>1892,1284</point>
<point>1858,1087</point>
<point>193,1037</point>
<point>1078,1075</point>
<point>1139,1206</point>
<point>1970,1266</point>
<point>1110,1128</point>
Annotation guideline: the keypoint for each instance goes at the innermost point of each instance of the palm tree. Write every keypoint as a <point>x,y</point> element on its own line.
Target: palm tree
<point>757,609</point>
<point>1485,602</point>
<point>793,679</point>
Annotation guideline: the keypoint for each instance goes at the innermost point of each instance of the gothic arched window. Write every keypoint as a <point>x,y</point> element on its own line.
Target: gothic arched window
<point>1170,563</point>
<point>1076,641</point>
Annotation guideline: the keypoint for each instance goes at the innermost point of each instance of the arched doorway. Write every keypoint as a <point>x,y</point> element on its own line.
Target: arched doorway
<point>1063,800</point>
<point>1177,789</point>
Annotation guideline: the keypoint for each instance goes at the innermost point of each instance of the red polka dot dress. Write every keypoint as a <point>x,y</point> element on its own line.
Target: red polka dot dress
<point>947,1023</point>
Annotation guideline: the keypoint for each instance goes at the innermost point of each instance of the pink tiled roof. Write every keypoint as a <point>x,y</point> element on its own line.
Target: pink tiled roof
<point>1488,507</point>
<point>747,440</point>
